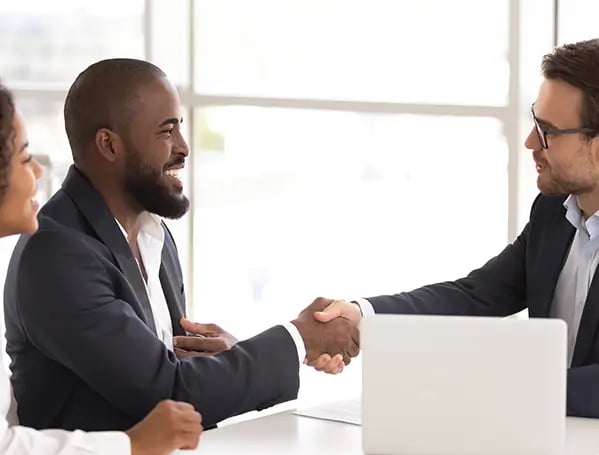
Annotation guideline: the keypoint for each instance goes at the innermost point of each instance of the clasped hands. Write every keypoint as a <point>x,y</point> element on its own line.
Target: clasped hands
<point>328,327</point>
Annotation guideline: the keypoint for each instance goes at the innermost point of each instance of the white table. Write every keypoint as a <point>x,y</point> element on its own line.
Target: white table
<point>288,434</point>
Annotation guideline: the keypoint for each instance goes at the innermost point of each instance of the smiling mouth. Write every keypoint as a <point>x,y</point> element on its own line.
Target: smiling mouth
<point>173,173</point>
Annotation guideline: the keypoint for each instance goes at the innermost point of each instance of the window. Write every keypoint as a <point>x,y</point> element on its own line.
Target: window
<point>381,50</point>
<point>54,41</point>
<point>340,204</point>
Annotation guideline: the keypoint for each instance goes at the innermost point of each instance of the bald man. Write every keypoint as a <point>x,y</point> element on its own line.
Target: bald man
<point>94,299</point>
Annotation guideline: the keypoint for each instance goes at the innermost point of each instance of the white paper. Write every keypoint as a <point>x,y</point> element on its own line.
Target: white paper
<point>346,411</point>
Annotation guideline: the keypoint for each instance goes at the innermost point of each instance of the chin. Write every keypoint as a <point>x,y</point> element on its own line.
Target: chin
<point>30,227</point>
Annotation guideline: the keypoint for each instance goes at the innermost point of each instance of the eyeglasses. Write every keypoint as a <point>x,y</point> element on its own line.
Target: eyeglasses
<point>542,131</point>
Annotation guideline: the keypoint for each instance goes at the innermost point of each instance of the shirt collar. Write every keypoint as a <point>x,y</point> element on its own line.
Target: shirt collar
<point>150,224</point>
<point>574,216</point>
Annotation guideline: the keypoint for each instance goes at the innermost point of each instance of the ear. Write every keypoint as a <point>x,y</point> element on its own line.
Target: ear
<point>109,144</point>
<point>594,148</point>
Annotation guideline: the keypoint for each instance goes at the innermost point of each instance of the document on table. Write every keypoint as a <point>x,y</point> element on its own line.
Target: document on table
<point>346,411</point>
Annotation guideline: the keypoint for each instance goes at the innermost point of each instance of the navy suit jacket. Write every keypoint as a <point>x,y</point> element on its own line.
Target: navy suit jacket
<point>81,335</point>
<point>523,275</point>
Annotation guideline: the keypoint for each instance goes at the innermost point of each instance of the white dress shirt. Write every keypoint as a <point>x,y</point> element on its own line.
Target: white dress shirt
<point>17,440</point>
<point>150,242</point>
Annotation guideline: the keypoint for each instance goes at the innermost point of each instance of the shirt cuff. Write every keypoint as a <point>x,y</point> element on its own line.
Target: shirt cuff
<point>298,340</point>
<point>365,307</point>
<point>112,442</point>
<point>80,442</point>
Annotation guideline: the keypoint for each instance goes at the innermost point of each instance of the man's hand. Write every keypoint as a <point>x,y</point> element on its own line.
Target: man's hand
<point>339,336</point>
<point>340,308</point>
<point>171,425</point>
<point>337,308</point>
<point>205,339</point>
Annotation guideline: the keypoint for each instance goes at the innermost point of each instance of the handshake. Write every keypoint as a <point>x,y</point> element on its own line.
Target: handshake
<point>329,330</point>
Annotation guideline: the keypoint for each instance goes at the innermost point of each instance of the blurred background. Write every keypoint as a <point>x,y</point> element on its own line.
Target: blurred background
<point>342,148</point>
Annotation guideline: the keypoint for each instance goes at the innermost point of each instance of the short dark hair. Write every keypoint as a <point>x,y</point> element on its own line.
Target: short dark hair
<point>578,65</point>
<point>103,96</point>
<point>7,113</point>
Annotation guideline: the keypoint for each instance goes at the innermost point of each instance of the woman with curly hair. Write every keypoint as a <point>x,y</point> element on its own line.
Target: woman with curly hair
<point>169,426</point>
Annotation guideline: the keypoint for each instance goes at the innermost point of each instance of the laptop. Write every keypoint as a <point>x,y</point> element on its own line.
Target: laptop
<point>451,385</point>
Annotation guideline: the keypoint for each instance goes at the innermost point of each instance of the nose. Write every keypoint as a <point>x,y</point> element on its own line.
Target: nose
<point>181,147</point>
<point>38,170</point>
<point>532,140</point>
<point>185,149</point>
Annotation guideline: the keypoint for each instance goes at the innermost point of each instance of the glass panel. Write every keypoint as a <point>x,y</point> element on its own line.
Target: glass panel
<point>47,136</point>
<point>295,204</point>
<point>170,39</point>
<point>423,51</point>
<point>577,20</point>
<point>54,41</point>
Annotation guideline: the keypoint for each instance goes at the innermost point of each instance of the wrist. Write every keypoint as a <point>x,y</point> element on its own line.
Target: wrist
<point>356,304</point>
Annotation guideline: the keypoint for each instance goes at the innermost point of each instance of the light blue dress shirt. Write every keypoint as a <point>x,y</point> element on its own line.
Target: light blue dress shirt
<point>575,278</point>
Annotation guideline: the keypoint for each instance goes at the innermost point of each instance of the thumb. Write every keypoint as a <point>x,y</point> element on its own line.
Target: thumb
<point>192,327</point>
<point>329,313</point>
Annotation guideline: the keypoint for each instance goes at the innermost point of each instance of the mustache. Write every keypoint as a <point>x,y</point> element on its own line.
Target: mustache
<point>177,162</point>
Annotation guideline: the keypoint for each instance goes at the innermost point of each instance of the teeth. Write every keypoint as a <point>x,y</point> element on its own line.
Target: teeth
<point>173,173</point>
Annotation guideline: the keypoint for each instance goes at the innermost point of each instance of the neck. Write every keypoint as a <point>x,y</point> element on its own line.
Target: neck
<point>122,206</point>
<point>588,203</point>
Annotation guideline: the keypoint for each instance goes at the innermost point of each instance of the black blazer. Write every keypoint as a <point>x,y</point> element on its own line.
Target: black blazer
<point>523,275</point>
<point>82,339</point>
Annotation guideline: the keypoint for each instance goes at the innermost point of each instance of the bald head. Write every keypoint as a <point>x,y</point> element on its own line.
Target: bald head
<point>104,96</point>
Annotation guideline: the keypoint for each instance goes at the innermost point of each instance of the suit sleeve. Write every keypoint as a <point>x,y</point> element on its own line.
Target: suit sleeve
<point>69,309</point>
<point>498,288</point>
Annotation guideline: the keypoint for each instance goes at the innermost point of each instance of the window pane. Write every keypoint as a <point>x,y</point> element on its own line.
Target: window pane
<point>577,20</point>
<point>411,51</point>
<point>295,204</point>
<point>170,39</point>
<point>54,41</point>
<point>47,136</point>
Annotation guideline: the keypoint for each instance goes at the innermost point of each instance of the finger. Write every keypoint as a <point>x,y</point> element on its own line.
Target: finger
<point>189,440</point>
<point>337,369</point>
<point>355,336</point>
<point>183,354</point>
<point>198,328</point>
<point>346,359</point>
<point>183,406</point>
<point>320,361</point>
<point>330,312</point>
<point>353,349</point>
<point>333,366</point>
<point>190,421</point>
<point>191,343</point>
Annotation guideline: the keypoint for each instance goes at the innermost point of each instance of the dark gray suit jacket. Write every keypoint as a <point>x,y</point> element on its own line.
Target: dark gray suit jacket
<point>523,275</point>
<point>81,335</point>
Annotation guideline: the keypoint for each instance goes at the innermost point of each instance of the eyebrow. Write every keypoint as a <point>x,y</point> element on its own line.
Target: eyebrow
<point>546,123</point>
<point>171,121</point>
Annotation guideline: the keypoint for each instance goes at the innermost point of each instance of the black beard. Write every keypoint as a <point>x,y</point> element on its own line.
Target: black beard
<point>152,193</point>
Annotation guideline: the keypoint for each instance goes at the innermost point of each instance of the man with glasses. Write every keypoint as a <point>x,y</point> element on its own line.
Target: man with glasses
<point>551,266</point>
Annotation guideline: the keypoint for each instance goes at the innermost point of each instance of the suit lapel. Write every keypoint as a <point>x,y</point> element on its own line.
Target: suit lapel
<point>94,209</point>
<point>588,324</point>
<point>558,239</point>
<point>172,292</point>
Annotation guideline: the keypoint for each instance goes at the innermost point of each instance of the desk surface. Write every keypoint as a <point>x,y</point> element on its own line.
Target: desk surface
<point>288,434</point>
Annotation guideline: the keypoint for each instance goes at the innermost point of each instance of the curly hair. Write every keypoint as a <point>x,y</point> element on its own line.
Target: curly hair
<point>7,111</point>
